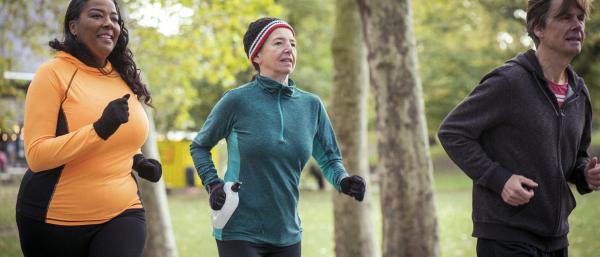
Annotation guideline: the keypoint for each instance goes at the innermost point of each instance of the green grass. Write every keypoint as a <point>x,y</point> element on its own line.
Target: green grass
<point>193,233</point>
<point>596,138</point>
<point>191,223</point>
<point>9,239</point>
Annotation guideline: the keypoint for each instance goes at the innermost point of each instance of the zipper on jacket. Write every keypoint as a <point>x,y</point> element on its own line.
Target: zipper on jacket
<point>559,153</point>
<point>559,163</point>
<point>560,114</point>
<point>280,115</point>
<point>554,106</point>
<point>553,102</point>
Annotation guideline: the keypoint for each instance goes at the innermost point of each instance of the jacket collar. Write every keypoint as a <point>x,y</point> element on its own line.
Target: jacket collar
<point>272,87</point>
<point>529,61</point>
<point>107,70</point>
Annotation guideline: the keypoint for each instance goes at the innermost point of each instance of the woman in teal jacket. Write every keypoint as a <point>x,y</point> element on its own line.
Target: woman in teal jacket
<point>271,128</point>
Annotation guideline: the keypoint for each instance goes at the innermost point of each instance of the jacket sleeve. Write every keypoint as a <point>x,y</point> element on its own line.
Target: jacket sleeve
<point>326,151</point>
<point>218,125</point>
<point>43,149</point>
<point>485,107</point>
<point>577,176</point>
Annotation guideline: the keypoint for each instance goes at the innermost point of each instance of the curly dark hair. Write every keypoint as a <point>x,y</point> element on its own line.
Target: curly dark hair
<point>121,57</point>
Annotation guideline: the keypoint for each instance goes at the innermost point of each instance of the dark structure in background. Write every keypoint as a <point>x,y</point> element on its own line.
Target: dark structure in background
<point>316,173</point>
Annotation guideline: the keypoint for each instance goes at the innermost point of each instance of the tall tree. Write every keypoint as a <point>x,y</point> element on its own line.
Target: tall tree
<point>161,240</point>
<point>407,198</point>
<point>354,235</point>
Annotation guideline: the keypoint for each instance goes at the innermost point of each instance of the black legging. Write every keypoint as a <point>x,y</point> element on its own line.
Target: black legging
<point>239,248</point>
<point>498,248</point>
<point>122,236</point>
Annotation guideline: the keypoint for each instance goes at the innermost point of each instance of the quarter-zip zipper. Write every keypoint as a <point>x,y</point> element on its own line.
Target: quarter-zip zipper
<point>281,138</point>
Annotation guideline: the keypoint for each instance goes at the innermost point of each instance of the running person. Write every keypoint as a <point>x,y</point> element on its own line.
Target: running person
<point>522,136</point>
<point>271,128</point>
<point>83,135</point>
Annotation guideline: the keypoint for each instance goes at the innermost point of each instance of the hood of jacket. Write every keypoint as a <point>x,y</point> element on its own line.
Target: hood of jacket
<point>530,63</point>
<point>107,70</point>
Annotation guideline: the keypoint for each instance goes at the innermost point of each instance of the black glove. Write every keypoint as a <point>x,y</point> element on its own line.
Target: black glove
<point>217,195</point>
<point>148,169</point>
<point>114,114</point>
<point>354,186</point>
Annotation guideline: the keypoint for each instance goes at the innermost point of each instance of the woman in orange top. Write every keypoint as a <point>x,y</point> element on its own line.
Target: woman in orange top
<point>83,135</point>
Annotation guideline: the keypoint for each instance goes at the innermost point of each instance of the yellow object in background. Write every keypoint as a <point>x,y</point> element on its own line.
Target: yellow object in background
<point>175,157</point>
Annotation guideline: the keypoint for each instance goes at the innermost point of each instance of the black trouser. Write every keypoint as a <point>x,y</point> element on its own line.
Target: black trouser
<point>497,248</point>
<point>122,236</point>
<point>239,248</point>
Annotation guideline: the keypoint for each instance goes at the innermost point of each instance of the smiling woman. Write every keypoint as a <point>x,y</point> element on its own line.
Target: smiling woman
<point>83,135</point>
<point>90,53</point>
<point>97,28</point>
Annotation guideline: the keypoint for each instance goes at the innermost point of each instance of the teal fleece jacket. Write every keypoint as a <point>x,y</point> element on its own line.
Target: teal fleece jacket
<point>271,131</point>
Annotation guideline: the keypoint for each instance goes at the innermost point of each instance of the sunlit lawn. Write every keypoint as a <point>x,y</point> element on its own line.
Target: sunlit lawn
<point>316,210</point>
<point>9,239</point>
<point>190,215</point>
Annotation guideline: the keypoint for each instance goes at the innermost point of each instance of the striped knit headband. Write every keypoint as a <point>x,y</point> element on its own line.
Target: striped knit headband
<point>264,34</point>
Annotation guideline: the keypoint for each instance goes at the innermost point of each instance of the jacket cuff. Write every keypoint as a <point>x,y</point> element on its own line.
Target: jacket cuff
<point>495,178</point>
<point>104,131</point>
<point>136,160</point>
<point>338,185</point>
<point>580,181</point>
<point>209,187</point>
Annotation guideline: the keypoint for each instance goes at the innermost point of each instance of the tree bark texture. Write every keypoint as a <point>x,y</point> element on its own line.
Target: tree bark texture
<point>161,240</point>
<point>407,200</point>
<point>354,230</point>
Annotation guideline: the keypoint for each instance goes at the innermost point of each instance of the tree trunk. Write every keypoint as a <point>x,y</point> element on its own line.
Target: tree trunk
<point>161,240</point>
<point>407,198</point>
<point>354,235</point>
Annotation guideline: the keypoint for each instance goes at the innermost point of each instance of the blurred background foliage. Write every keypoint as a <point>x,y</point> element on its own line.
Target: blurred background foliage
<point>191,52</point>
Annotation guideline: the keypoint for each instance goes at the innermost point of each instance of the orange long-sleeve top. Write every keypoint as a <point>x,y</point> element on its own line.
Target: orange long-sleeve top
<point>95,184</point>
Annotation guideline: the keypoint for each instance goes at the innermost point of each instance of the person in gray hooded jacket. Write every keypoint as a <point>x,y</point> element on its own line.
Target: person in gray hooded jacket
<point>522,134</point>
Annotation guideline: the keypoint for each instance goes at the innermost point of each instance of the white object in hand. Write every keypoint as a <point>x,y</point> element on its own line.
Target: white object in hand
<point>220,217</point>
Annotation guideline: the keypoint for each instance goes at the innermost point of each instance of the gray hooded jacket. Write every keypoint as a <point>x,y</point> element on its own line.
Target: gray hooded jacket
<point>510,124</point>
